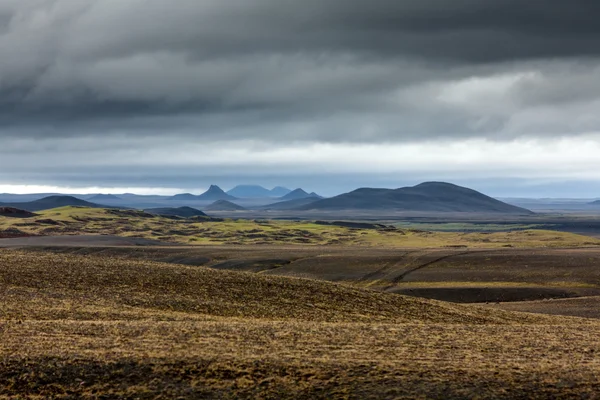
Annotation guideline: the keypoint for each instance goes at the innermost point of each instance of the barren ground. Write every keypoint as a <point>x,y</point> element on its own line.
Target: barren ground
<point>105,314</point>
<point>91,326</point>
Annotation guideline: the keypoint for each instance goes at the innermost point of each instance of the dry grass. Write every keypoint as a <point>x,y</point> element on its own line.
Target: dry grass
<point>75,326</point>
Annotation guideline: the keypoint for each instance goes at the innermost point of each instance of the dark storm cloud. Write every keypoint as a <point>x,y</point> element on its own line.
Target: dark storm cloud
<point>283,70</point>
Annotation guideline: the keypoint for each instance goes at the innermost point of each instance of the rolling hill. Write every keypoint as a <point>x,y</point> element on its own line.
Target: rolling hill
<point>169,289</point>
<point>94,324</point>
<point>224,205</point>
<point>425,197</point>
<point>50,202</point>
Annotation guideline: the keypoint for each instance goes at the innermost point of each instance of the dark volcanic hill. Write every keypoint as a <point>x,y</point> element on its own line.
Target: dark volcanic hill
<point>298,194</point>
<point>53,202</point>
<point>249,191</point>
<point>224,205</point>
<point>185,212</point>
<point>426,197</point>
<point>11,212</point>
<point>215,193</point>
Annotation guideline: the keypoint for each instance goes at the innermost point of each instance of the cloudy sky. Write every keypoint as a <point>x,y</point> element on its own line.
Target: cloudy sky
<point>165,96</point>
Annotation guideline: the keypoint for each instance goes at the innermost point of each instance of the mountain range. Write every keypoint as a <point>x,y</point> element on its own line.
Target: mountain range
<point>256,191</point>
<point>425,197</point>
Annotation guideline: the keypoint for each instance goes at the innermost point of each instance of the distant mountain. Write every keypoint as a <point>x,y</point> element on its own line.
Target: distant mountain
<point>184,197</point>
<point>257,192</point>
<point>290,204</point>
<point>595,203</point>
<point>53,202</point>
<point>215,193</point>
<point>279,191</point>
<point>426,197</point>
<point>185,212</point>
<point>298,194</point>
<point>11,212</point>
<point>224,205</point>
<point>249,191</point>
<point>104,197</point>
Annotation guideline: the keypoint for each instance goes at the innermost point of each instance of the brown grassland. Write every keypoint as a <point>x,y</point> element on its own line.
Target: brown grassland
<point>294,320</point>
<point>75,326</point>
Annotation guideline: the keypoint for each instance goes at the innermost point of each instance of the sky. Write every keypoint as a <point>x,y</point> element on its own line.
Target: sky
<point>155,96</point>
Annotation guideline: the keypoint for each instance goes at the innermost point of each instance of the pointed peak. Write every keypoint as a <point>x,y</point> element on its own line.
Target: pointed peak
<point>296,194</point>
<point>214,192</point>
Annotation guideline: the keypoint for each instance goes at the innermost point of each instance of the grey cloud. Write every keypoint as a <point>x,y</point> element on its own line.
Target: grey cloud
<point>285,70</point>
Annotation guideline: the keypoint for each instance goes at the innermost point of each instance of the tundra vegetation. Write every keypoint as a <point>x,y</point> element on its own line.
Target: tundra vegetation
<point>205,230</point>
